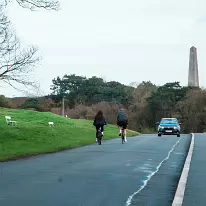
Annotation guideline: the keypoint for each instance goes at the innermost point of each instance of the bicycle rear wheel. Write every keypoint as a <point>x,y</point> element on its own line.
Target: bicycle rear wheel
<point>99,138</point>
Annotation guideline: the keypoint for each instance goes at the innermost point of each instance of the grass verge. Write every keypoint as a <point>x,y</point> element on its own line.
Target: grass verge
<point>33,136</point>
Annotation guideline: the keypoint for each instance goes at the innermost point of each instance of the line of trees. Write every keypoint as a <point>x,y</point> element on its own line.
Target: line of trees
<point>88,91</point>
<point>145,103</point>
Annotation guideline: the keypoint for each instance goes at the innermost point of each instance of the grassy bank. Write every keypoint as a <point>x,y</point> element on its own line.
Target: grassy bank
<point>32,135</point>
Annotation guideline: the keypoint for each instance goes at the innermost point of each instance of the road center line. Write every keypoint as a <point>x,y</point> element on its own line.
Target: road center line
<point>129,200</point>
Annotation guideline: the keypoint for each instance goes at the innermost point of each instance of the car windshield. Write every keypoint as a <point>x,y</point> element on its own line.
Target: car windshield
<point>169,121</point>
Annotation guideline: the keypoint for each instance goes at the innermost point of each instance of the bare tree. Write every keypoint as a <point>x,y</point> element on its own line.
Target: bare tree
<point>34,4</point>
<point>16,63</point>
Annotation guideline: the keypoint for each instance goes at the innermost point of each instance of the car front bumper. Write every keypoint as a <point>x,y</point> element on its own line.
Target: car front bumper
<point>168,131</point>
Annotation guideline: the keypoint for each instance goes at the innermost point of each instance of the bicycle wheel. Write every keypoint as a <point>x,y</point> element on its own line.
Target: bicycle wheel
<point>99,137</point>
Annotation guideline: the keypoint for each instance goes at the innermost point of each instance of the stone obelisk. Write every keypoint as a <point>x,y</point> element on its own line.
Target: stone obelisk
<point>193,78</point>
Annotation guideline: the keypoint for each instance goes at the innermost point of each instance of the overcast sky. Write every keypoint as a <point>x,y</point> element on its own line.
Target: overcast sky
<point>121,40</point>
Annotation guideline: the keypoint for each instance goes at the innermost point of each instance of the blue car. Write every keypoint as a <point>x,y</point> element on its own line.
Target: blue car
<point>169,126</point>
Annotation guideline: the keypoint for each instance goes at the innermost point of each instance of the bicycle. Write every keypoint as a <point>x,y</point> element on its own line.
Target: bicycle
<point>99,136</point>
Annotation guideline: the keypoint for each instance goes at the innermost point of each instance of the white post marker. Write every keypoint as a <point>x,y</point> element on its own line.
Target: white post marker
<point>9,121</point>
<point>8,118</point>
<point>51,124</point>
<point>179,195</point>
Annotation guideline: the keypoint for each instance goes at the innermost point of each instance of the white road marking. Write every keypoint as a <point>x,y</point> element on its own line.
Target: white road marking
<point>179,195</point>
<point>129,200</point>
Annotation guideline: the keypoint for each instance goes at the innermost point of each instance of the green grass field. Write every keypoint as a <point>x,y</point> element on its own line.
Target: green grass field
<point>33,136</point>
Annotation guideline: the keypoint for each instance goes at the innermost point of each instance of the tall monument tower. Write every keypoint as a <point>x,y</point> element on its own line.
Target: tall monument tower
<point>193,78</point>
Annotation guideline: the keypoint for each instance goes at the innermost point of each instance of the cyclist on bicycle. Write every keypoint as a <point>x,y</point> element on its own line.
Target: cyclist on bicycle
<point>99,122</point>
<point>122,122</point>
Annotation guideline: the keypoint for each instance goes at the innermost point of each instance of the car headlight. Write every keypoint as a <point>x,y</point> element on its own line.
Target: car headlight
<point>160,127</point>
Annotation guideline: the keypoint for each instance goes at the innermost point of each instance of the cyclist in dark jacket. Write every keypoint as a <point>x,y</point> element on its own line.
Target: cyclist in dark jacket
<point>122,121</point>
<point>99,122</point>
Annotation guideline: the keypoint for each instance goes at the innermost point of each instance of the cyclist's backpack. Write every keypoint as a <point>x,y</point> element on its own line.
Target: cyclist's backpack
<point>122,116</point>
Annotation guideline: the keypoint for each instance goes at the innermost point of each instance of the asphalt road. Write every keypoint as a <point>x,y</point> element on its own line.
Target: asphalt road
<point>145,171</point>
<point>196,184</point>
